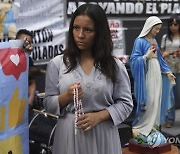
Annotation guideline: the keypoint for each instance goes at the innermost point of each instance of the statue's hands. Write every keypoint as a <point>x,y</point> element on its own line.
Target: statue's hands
<point>150,52</point>
<point>171,78</point>
<point>135,132</point>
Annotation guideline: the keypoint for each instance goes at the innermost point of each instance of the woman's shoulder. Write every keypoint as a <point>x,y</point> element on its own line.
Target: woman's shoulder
<point>118,62</point>
<point>58,60</point>
<point>164,36</point>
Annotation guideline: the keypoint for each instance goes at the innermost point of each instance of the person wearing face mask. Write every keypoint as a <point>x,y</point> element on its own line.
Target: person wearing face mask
<point>170,47</point>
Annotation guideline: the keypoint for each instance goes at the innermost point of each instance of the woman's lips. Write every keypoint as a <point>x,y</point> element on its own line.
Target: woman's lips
<point>80,43</point>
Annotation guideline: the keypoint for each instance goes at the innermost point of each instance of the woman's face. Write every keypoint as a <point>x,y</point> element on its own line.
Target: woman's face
<point>174,26</point>
<point>155,30</point>
<point>84,32</point>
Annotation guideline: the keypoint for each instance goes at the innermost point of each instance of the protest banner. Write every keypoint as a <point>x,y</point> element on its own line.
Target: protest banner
<point>14,136</point>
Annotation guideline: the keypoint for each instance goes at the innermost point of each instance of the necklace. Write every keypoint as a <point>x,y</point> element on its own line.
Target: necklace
<point>77,106</point>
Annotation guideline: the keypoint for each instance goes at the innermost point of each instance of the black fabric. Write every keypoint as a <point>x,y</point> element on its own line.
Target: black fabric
<point>31,64</point>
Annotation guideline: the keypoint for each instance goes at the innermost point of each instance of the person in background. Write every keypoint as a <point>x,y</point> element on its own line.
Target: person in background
<point>148,69</point>
<point>87,79</point>
<point>170,47</point>
<point>177,54</point>
<point>27,35</point>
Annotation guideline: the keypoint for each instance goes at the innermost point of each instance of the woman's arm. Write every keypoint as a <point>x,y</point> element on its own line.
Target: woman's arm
<point>123,103</point>
<point>54,99</point>
<point>51,101</point>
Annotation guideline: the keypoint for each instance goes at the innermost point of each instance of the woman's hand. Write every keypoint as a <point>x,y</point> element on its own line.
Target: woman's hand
<point>88,121</point>
<point>68,96</point>
<point>70,91</point>
<point>176,53</point>
<point>166,54</point>
<point>71,88</point>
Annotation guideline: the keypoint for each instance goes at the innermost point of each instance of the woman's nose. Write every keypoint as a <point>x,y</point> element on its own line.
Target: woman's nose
<point>81,34</point>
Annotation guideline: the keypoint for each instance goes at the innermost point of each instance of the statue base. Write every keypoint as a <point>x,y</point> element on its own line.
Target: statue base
<point>145,149</point>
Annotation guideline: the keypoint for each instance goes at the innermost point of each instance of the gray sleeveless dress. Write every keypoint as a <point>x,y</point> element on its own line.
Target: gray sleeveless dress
<point>99,94</point>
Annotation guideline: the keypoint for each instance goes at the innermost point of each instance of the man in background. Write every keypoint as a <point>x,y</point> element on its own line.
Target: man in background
<point>27,35</point>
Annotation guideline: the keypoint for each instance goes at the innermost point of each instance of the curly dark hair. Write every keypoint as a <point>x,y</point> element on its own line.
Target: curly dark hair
<point>103,45</point>
<point>24,31</point>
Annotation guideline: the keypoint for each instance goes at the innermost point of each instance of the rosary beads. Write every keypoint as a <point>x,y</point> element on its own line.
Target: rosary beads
<point>77,106</point>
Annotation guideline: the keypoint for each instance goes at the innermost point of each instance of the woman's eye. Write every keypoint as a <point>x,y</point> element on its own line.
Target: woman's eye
<point>75,27</point>
<point>89,30</point>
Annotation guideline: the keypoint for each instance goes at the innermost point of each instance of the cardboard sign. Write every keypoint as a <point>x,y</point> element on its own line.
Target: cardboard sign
<point>14,136</point>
